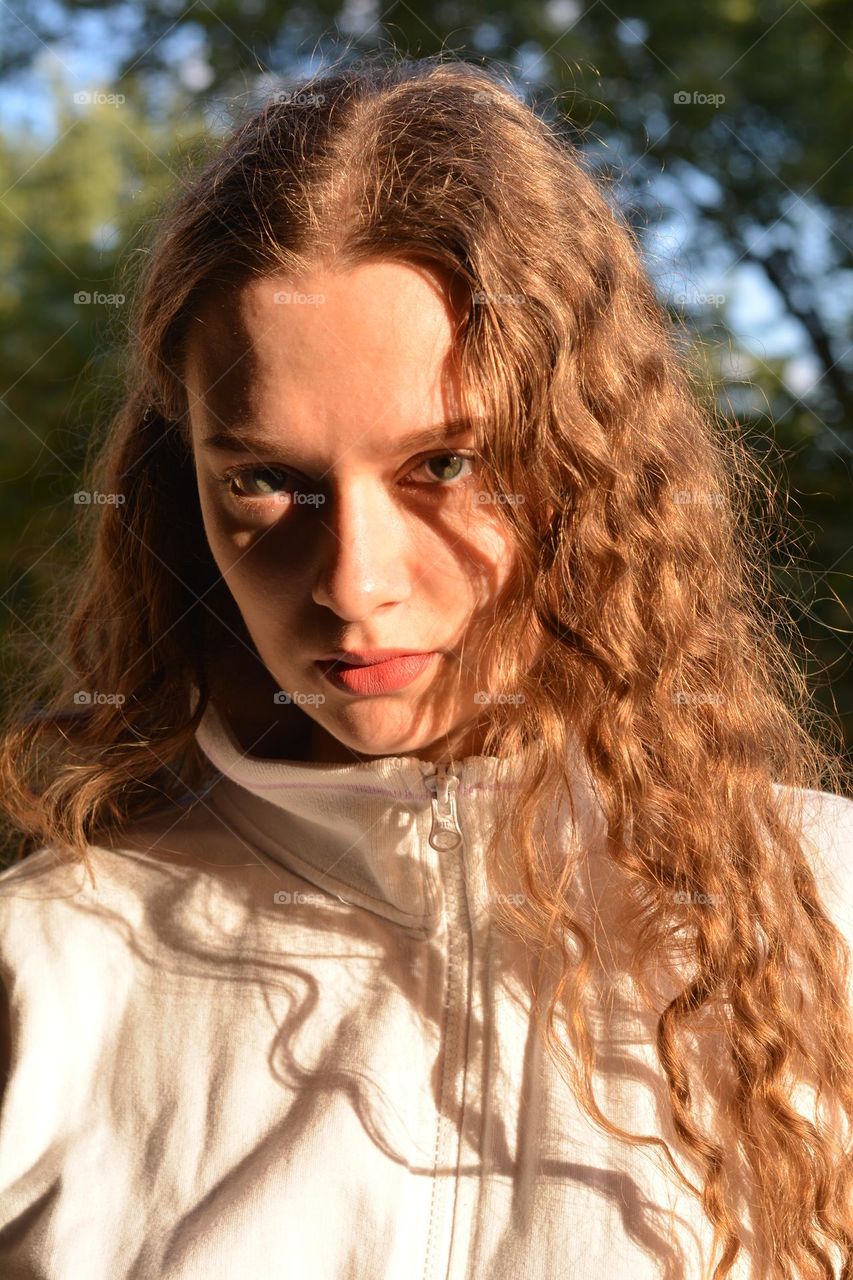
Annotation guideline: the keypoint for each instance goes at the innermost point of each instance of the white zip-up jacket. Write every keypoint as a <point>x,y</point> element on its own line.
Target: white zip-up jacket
<point>279,1039</point>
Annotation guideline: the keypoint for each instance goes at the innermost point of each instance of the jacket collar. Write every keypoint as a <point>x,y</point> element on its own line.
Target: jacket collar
<point>359,831</point>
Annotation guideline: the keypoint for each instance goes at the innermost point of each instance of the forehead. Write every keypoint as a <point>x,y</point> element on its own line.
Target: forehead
<point>376,340</point>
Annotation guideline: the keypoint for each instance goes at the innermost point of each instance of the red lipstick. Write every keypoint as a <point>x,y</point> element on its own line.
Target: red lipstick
<point>374,671</point>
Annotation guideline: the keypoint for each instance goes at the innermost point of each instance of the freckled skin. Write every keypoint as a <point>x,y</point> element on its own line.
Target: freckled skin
<point>397,554</point>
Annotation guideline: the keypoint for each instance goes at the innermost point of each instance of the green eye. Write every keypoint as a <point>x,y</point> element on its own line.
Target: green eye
<point>271,482</point>
<point>448,465</point>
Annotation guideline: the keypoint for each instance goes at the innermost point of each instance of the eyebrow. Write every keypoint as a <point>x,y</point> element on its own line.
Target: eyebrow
<point>234,440</point>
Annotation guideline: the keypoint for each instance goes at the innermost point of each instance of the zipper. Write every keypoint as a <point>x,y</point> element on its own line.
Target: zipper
<point>448,1235</point>
<point>445,832</point>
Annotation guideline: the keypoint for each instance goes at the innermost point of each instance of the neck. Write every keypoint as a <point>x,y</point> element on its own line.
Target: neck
<point>324,747</point>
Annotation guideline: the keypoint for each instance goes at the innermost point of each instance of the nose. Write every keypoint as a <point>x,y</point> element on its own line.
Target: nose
<point>361,551</point>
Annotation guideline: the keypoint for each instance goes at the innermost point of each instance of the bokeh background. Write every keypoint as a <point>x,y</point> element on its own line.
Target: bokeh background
<point>721,127</point>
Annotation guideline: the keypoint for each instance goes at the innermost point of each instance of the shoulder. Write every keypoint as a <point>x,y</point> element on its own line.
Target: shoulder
<point>825,821</point>
<point>167,844</point>
<point>173,882</point>
<point>35,890</point>
<point>52,906</point>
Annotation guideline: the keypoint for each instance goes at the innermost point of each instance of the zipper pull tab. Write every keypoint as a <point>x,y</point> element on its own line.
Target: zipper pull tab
<point>445,832</point>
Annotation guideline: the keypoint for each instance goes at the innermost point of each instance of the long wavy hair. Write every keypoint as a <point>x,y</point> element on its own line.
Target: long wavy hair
<point>643,563</point>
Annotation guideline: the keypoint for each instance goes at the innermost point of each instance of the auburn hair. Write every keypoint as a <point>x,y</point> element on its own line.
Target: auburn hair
<point>666,674</point>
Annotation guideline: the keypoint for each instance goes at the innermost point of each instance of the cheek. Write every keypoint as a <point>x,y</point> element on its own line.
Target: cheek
<point>215,525</point>
<point>496,552</point>
<point>502,548</point>
<point>242,551</point>
<point>254,575</point>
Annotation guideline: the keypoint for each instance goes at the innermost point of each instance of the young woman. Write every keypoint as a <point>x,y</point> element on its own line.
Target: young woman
<point>428,871</point>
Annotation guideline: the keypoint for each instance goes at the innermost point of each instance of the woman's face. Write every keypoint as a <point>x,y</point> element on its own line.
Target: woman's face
<point>333,529</point>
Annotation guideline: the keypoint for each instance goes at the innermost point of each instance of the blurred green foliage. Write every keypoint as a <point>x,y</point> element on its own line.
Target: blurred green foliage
<point>719,126</point>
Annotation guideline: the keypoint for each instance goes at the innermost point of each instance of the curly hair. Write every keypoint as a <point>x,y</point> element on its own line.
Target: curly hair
<point>643,566</point>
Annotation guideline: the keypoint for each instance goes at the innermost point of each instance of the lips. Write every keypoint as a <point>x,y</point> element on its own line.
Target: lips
<point>375,677</point>
<point>368,657</point>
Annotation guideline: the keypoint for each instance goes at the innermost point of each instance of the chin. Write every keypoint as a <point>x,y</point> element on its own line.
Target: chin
<point>383,737</point>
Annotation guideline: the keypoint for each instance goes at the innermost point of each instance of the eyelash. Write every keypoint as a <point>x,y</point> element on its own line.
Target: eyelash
<point>227,478</point>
